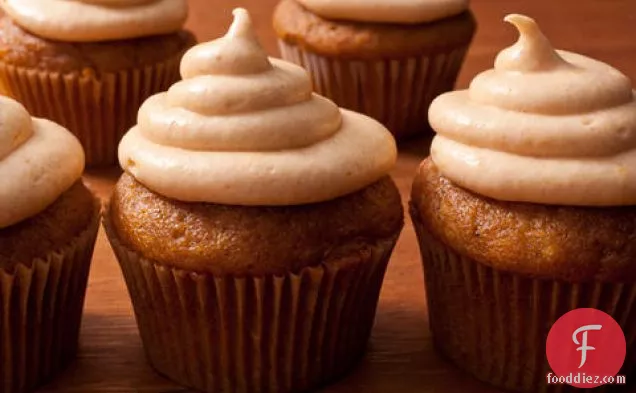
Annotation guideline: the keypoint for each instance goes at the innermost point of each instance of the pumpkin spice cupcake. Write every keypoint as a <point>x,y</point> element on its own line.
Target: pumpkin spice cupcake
<point>253,224</point>
<point>385,58</point>
<point>526,209</point>
<point>88,64</point>
<point>48,226</point>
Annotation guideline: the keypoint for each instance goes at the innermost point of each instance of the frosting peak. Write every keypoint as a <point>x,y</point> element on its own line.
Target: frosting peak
<point>544,126</point>
<point>97,20</point>
<point>242,26</point>
<point>533,52</point>
<point>245,129</point>
<point>238,52</point>
<point>39,160</point>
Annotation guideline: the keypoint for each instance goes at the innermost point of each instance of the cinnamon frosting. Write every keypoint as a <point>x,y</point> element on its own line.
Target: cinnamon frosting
<point>386,11</point>
<point>39,160</point>
<point>97,20</point>
<point>544,126</point>
<point>245,129</point>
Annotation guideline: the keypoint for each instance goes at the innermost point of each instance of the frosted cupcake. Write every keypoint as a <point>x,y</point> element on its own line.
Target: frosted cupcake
<point>48,226</point>
<point>253,224</point>
<point>385,58</point>
<point>89,64</point>
<point>526,209</point>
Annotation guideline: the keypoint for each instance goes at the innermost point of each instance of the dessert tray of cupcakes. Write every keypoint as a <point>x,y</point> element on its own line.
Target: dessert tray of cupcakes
<point>256,215</point>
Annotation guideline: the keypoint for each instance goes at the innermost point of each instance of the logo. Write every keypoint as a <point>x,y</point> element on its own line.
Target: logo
<point>584,348</point>
<point>586,345</point>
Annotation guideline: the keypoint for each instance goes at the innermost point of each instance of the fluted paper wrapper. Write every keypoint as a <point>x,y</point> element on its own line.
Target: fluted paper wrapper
<point>396,92</point>
<point>98,109</point>
<point>41,309</point>
<point>277,334</point>
<point>495,324</point>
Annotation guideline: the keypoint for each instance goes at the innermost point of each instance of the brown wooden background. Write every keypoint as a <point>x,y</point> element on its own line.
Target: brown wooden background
<point>400,358</point>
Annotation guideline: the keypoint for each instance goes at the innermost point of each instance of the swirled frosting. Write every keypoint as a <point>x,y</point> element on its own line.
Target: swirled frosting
<point>544,126</point>
<point>39,160</point>
<point>386,11</point>
<point>244,129</point>
<point>97,20</point>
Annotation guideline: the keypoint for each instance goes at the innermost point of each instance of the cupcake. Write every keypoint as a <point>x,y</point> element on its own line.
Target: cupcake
<point>48,226</point>
<point>385,58</point>
<point>88,65</point>
<point>525,209</point>
<point>253,223</point>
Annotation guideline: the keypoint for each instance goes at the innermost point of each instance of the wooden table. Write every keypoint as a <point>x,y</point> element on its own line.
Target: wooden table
<point>401,356</point>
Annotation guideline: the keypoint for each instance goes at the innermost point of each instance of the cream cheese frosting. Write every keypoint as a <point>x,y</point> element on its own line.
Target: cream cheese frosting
<point>39,160</point>
<point>544,126</point>
<point>245,129</point>
<point>97,20</point>
<point>386,11</point>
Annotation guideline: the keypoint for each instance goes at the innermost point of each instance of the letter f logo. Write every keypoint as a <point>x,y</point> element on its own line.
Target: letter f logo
<point>570,341</point>
<point>583,344</point>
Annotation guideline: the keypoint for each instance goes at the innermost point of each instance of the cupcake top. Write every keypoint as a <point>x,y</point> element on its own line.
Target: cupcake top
<point>245,129</point>
<point>97,20</point>
<point>386,11</point>
<point>544,126</point>
<point>39,160</point>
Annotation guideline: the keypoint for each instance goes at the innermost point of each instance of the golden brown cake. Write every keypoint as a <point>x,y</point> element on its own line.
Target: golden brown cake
<point>19,48</point>
<point>91,73</point>
<point>526,210</point>
<point>193,236</point>
<point>35,237</point>
<point>388,65</point>
<point>48,226</point>
<point>296,25</point>
<point>530,239</point>
<point>253,224</point>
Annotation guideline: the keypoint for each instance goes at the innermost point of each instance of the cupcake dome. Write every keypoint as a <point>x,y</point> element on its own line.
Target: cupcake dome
<point>386,11</point>
<point>97,20</point>
<point>29,148</point>
<point>230,133</point>
<point>553,125</point>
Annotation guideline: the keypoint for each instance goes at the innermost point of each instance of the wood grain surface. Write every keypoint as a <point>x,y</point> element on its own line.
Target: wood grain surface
<point>401,356</point>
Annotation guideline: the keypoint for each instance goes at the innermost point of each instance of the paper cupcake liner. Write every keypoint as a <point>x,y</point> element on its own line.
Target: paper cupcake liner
<point>495,324</point>
<point>278,334</point>
<point>396,92</point>
<point>98,109</point>
<point>41,309</point>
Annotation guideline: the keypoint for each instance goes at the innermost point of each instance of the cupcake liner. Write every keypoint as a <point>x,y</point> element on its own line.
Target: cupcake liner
<point>41,309</point>
<point>396,92</point>
<point>98,109</point>
<point>495,324</point>
<point>286,333</point>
